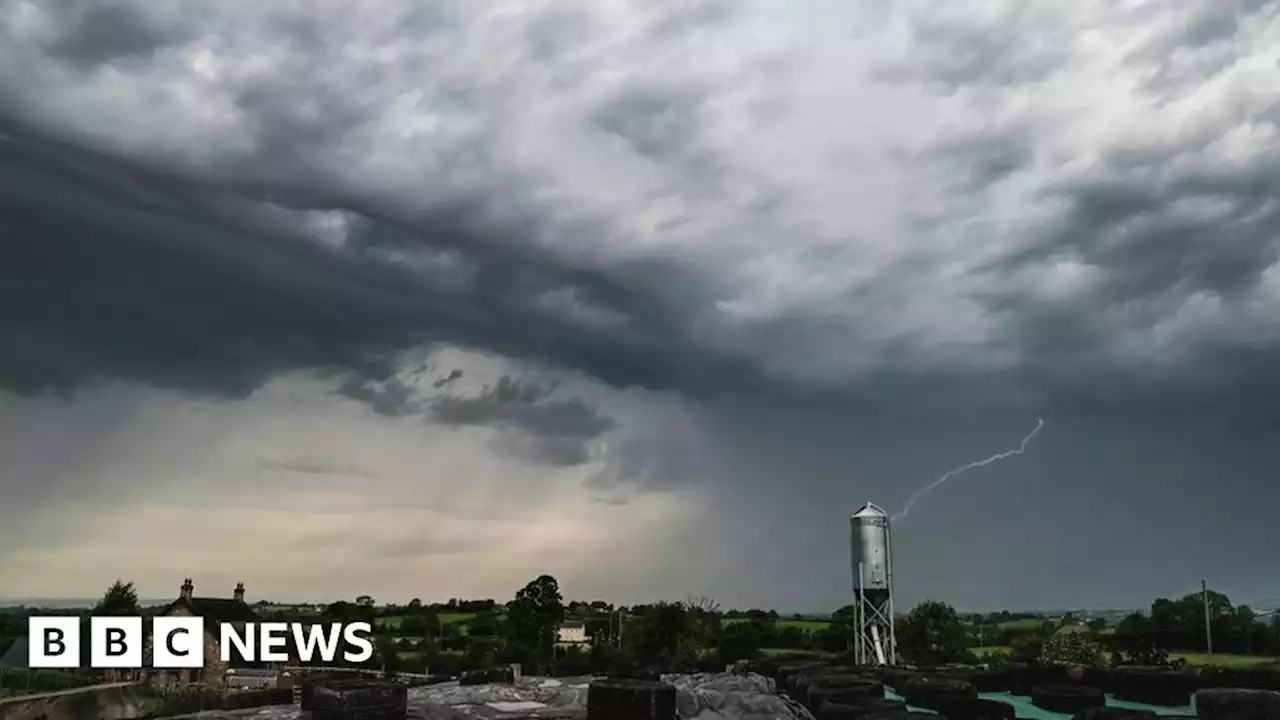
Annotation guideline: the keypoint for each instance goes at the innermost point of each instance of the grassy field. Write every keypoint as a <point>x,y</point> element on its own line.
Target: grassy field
<point>774,652</point>
<point>1195,659</point>
<point>805,625</point>
<point>413,656</point>
<point>1021,625</point>
<point>1224,660</point>
<point>392,622</point>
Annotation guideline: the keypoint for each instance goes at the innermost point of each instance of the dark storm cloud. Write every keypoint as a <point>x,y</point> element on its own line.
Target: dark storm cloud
<point>127,267</point>
<point>91,32</point>
<point>549,430</point>
<point>117,270</point>
<point>391,398</point>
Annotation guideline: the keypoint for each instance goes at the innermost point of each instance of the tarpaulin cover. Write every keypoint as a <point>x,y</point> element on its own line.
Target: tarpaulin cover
<point>1024,709</point>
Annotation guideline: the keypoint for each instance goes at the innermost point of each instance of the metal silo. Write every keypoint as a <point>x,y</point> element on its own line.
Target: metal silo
<point>875,642</point>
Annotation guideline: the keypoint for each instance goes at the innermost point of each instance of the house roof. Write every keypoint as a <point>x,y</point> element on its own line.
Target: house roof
<point>218,610</point>
<point>16,655</point>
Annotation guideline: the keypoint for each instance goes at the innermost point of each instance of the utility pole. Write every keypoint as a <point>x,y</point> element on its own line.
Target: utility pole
<point>1208,627</point>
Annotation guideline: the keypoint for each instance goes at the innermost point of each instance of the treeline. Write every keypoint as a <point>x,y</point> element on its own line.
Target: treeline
<point>1180,625</point>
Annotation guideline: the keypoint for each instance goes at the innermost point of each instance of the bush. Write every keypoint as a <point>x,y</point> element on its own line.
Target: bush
<point>29,681</point>
<point>1070,647</point>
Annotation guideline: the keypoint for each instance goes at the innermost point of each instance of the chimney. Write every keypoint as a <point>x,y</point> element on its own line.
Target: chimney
<point>239,594</point>
<point>187,589</point>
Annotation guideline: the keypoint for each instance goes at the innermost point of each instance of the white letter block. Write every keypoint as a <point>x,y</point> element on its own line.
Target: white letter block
<point>53,642</point>
<point>115,642</point>
<point>177,642</point>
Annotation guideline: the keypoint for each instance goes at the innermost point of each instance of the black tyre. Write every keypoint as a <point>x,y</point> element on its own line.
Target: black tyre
<point>1068,699</point>
<point>859,697</point>
<point>977,710</point>
<point>865,709</point>
<point>630,699</point>
<point>846,681</point>
<point>1237,704</point>
<point>1153,686</point>
<point>933,693</point>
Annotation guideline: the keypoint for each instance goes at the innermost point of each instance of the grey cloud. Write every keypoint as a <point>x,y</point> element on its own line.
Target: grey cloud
<point>390,542</point>
<point>541,427</point>
<point>1205,39</point>
<point>391,398</point>
<point>978,160</point>
<point>959,51</point>
<point>166,271</point>
<point>453,376</point>
<point>314,466</point>
<point>134,275</point>
<point>91,33</point>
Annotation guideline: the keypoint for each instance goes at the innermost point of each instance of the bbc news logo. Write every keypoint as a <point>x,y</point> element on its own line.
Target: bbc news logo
<point>179,642</point>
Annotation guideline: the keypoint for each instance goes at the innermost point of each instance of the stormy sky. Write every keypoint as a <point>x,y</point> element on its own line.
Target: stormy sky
<point>425,298</point>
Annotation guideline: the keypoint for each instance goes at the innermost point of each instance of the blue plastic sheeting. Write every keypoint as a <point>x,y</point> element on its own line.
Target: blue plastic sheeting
<point>1024,709</point>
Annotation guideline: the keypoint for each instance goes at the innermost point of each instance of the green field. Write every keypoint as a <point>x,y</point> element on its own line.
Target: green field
<point>805,625</point>
<point>1024,625</point>
<point>1224,660</point>
<point>1195,659</point>
<point>775,652</point>
<point>392,622</point>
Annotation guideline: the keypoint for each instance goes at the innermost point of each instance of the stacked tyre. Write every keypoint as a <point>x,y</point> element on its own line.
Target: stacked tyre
<point>1250,678</point>
<point>897,677</point>
<point>822,687</point>
<point>862,709</point>
<point>359,700</point>
<point>976,710</point>
<point>1069,699</point>
<point>993,680</point>
<point>1153,686</point>
<point>936,693</point>
<point>625,699</point>
<point>1101,678</point>
<point>788,671</point>
<point>1237,704</point>
<point>1034,676</point>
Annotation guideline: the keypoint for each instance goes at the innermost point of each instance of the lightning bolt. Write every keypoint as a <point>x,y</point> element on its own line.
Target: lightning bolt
<point>963,468</point>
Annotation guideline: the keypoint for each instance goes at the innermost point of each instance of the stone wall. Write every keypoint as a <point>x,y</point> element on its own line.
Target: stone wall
<point>107,702</point>
<point>214,671</point>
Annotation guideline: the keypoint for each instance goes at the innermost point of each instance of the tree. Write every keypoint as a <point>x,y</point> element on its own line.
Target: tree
<point>365,601</point>
<point>660,634</point>
<point>844,622</point>
<point>120,599</point>
<point>1027,647</point>
<point>1136,642</point>
<point>932,634</point>
<point>739,641</point>
<point>1070,646</point>
<point>484,624</point>
<point>533,618</point>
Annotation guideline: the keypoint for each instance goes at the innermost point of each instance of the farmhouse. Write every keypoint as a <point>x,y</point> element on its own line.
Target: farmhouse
<point>572,632</point>
<point>215,612</point>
